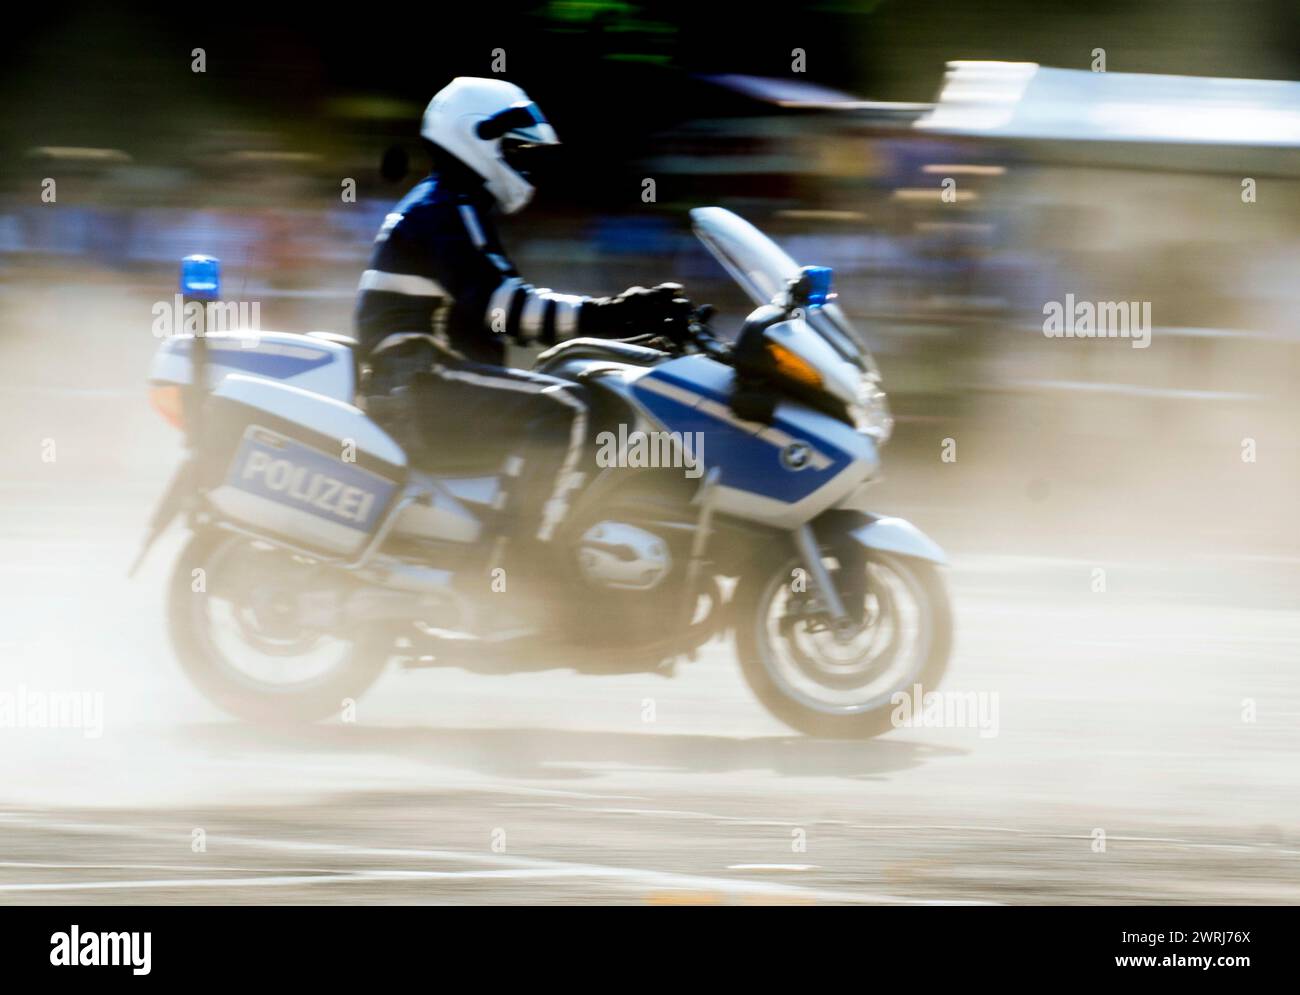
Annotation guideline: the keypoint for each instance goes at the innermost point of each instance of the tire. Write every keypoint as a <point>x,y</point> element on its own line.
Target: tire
<point>222,684</point>
<point>756,654</point>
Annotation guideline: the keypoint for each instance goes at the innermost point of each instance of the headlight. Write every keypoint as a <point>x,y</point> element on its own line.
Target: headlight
<point>870,410</point>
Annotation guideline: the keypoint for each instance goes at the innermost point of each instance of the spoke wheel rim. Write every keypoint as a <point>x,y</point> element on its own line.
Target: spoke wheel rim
<point>862,672</point>
<point>241,634</point>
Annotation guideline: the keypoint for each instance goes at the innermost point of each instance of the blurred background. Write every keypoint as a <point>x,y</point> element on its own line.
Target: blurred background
<point>838,141</point>
<point>959,165</point>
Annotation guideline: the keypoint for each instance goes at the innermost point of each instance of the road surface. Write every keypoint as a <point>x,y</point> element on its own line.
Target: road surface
<point>1144,747</point>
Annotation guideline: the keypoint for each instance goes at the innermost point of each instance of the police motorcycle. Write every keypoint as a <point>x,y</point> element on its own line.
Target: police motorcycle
<point>319,556</point>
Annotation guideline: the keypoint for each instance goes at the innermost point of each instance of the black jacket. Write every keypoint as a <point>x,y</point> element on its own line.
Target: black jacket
<point>438,264</point>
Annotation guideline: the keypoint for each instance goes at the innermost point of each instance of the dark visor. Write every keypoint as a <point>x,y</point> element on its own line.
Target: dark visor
<point>517,116</point>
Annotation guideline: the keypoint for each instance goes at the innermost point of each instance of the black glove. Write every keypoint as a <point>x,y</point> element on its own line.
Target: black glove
<point>661,310</point>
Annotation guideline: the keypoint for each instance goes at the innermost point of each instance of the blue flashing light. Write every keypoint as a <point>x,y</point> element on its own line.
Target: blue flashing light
<point>819,284</point>
<point>201,278</point>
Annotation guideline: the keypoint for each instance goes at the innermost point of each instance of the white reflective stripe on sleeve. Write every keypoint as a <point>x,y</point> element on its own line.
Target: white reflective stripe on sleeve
<point>390,222</point>
<point>564,298</point>
<point>499,304</point>
<point>472,226</point>
<point>401,283</point>
<point>530,322</point>
<point>566,314</point>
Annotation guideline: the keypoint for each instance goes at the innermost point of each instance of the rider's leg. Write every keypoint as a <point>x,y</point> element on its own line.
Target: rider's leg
<point>531,424</point>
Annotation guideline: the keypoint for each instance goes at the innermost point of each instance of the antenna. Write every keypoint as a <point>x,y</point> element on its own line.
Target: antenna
<point>200,283</point>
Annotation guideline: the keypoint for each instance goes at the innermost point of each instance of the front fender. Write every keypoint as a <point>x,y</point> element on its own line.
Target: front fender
<point>884,534</point>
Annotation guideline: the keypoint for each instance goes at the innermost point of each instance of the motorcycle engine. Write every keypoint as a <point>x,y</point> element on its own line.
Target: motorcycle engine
<point>628,598</point>
<point>622,556</point>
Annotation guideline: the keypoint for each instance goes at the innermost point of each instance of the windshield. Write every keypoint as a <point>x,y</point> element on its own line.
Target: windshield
<point>764,270</point>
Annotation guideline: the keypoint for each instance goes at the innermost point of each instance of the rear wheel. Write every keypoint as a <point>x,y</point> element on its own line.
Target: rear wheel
<point>842,684</point>
<point>236,614</point>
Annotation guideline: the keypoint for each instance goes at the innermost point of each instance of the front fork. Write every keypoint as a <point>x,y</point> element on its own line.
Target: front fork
<point>844,621</point>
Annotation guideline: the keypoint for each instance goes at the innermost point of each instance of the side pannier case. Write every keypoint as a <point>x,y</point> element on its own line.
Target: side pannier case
<point>294,465</point>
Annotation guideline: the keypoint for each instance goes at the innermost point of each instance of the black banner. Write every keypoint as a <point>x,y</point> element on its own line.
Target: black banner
<point>134,945</point>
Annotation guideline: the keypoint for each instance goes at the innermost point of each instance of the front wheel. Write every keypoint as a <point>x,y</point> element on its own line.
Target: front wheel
<point>236,613</point>
<point>842,684</point>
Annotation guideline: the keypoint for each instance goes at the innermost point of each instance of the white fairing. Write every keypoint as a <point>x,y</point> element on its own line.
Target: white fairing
<point>314,412</point>
<point>804,424</point>
<point>321,365</point>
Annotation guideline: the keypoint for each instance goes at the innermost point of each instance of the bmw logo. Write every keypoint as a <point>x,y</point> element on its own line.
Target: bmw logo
<point>796,456</point>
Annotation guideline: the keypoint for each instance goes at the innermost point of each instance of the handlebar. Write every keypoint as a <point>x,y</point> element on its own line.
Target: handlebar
<point>690,331</point>
<point>701,336</point>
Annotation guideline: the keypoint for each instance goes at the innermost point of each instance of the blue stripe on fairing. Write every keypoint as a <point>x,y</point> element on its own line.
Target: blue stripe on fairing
<point>698,375</point>
<point>259,362</point>
<point>745,461</point>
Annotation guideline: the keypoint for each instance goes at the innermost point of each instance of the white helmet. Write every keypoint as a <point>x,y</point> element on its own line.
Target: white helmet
<point>472,118</point>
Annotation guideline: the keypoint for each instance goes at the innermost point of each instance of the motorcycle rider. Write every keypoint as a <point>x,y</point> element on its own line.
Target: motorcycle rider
<point>440,297</point>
